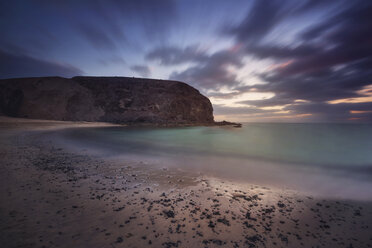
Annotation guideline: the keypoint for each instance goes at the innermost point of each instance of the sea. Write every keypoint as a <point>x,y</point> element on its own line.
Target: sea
<point>323,159</point>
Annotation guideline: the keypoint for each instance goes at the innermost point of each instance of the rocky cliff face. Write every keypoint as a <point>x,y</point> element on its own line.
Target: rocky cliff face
<point>109,99</point>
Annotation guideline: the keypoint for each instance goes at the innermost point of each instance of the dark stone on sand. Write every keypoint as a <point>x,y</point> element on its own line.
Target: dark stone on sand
<point>248,216</point>
<point>281,204</point>
<point>119,240</point>
<point>224,221</point>
<point>213,241</point>
<point>252,240</point>
<point>211,224</point>
<point>357,213</point>
<point>171,244</point>
<point>169,213</point>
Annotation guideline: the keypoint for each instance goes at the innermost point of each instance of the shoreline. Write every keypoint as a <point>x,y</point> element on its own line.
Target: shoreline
<point>15,120</point>
<point>56,198</point>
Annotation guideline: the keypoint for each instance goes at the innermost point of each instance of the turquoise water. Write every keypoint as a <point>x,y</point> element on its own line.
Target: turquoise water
<point>321,144</point>
<point>299,156</point>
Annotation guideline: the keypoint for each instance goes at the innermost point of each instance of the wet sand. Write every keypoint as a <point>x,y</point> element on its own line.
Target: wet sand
<point>53,197</point>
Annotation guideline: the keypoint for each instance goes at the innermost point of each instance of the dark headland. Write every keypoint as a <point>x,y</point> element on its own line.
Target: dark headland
<point>121,100</point>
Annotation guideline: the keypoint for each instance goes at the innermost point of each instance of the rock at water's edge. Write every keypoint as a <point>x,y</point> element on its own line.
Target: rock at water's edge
<point>107,99</point>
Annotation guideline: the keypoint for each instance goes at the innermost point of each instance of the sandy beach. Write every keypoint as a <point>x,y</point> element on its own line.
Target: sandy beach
<point>54,197</point>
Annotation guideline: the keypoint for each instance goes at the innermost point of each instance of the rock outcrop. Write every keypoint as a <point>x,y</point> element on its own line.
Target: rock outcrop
<point>108,99</point>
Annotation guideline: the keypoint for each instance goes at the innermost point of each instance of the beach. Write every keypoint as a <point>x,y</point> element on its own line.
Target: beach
<point>55,196</point>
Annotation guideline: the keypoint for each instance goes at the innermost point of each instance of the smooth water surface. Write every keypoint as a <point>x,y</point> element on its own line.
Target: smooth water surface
<point>319,158</point>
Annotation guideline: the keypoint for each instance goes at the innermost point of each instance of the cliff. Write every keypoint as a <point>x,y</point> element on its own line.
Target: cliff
<point>107,99</point>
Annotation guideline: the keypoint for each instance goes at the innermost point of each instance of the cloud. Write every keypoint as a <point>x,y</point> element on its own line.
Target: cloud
<point>223,110</point>
<point>271,102</point>
<point>261,18</point>
<point>337,72</point>
<point>109,25</point>
<point>172,55</point>
<point>152,19</point>
<point>264,16</point>
<point>282,52</point>
<point>329,60</point>
<point>156,18</point>
<point>142,70</point>
<point>312,52</point>
<point>334,112</point>
<point>20,65</point>
<point>213,71</point>
<point>210,71</point>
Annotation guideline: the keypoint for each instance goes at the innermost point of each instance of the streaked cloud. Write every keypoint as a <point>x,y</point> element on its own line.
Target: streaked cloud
<point>261,60</point>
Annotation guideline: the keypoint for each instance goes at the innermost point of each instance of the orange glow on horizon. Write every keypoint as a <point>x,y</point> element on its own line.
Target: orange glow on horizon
<point>288,116</point>
<point>277,107</point>
<point>365,96</point>
<point>301,101</point>
<point>259,117</point>
<point>360,111</point>
<point>354,118</point>
<point>352,100</point>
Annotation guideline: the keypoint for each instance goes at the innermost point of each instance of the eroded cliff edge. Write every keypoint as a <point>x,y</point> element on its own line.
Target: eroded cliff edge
<point>106,99</point>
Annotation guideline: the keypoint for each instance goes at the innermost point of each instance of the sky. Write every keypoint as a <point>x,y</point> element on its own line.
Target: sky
<point>259,61</point>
